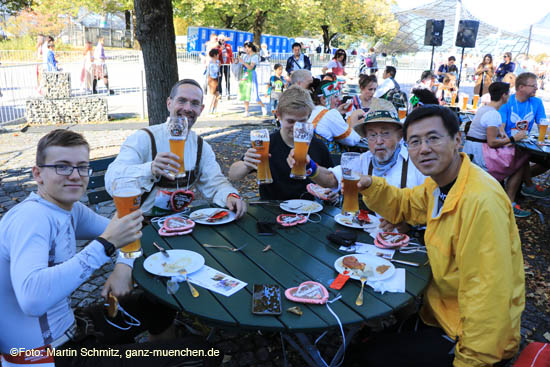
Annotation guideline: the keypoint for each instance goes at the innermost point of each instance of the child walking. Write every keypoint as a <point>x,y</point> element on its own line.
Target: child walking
<point>275,88</point>
<point>213,71</point>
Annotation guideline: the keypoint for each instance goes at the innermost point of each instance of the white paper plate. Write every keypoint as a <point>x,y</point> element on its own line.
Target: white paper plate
<point>208,212</point>
<point>371,263</point>
<point>159,264</point>
<point>347,222</point>
<point>298,206</point>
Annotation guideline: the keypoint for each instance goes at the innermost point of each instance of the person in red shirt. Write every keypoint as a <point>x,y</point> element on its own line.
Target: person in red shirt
<point>226,59</point>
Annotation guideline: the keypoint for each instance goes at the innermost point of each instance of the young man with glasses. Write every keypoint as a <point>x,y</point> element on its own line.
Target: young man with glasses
<point>387,157</point>
<point>520,113</point>
<point>40,269</point>
<point>472,307</point>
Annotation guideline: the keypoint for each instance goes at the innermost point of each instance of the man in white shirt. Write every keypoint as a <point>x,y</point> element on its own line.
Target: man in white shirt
<point>146,155</point>
<point>40,269</point>
<point>387,157</point>
<point>389,82</point>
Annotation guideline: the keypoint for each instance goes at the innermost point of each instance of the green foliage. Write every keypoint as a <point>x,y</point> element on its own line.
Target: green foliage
<point>15,6</point>
<point>28,42</point>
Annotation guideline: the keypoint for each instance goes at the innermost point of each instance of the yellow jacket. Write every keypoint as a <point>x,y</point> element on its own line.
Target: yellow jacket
<point>477,293</point>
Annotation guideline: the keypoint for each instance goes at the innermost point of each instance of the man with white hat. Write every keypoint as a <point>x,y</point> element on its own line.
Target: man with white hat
<point>387,157</point>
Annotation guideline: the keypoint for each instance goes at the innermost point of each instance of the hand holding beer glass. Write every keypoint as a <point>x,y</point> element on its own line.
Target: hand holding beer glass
<point>543,127</point>
<point>303,133</point>
<point>178,135</point>
<point>260,142</point>
<point>127,198</point>
<point>351,173</point>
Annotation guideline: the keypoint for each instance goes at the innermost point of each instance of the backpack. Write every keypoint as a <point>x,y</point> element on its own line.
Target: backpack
<point>369,62</point>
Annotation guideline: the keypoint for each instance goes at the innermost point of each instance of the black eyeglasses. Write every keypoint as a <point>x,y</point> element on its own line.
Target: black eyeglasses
<point>66,170</point>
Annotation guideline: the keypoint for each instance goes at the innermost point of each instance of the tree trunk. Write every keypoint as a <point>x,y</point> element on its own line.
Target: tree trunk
<point>326,39</point>
<point>258,25</point>
<point>155,33</point>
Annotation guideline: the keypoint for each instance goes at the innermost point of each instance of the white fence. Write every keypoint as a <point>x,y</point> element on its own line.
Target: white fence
<point>18,78</point>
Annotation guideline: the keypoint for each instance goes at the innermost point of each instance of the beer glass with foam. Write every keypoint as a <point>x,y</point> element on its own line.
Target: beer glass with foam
<point>127,198</point>
<point>260,142</point>
<point>465,98</point>
<point>303,132</point>
<point>177,127</point>
<point>543,126</point>
<point>476,100</point>
<point>402,113</point>
<point>351,172</point>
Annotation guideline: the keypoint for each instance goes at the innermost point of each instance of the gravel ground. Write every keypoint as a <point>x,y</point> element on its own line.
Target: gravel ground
<point>230,140</point>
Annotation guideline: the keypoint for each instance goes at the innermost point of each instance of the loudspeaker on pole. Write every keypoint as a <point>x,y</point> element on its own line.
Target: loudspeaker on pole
<point>467,33</point>
<point>434,32</point>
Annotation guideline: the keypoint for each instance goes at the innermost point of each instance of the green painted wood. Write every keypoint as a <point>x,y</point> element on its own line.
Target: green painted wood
<point>317,247</point>
<point>240,265</point>
<point>206,304</point>
<point>101,164</point>
<point>96,181</point>
<point>285,244</point>
<point>97,197</point>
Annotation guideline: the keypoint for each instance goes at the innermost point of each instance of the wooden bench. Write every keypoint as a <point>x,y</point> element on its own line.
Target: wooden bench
<point>96,186</point>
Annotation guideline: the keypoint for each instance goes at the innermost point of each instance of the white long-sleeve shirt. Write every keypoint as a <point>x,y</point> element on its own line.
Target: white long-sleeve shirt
<point>384,87</point>
<point>333,125</point>
<point>39,269</point>
<point>135,157</point>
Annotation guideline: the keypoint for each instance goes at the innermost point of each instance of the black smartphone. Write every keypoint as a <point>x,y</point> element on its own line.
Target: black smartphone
<point>346,98</point>
<point>266,299</point>
<point>265,229</point>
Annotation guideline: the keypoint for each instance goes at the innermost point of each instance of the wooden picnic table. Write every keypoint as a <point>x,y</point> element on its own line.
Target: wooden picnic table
<point>297,254</point>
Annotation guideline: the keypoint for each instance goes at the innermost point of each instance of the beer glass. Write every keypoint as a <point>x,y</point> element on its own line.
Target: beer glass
<point>303,132</point>
<point>127,198</point>
<point>260,142</point>
<point>351,171</point>
<point>465,101</point>
<point>177,127</point>
<point>543,126</point>
<point>402,113</point>
<point>453,99</point>
<point>476,100</point>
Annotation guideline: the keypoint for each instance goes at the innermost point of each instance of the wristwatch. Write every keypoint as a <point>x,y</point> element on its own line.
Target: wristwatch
<point>108,246</point>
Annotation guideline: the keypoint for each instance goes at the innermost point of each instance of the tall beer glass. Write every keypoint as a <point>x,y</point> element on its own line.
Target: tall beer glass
<point>127,198</point>
<point>260,142</point>
<point>351,171</point>
<point>178,135</point>
<point>476,100</point>
<point>303,132</point>
<point>543,126</point>
<point>465,98</point>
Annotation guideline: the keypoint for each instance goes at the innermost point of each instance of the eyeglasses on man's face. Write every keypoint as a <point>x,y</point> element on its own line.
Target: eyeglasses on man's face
<point>66,170</point>
<point>432,140</point>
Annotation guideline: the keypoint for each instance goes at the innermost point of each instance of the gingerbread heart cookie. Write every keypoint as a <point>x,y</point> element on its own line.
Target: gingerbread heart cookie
<point>308,292</point>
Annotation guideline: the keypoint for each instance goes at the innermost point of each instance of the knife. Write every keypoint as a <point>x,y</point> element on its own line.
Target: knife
<point>161,249</point>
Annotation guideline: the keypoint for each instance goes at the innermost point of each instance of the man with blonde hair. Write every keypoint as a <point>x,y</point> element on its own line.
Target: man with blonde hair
<point>295,105</point>
<point>301,78</point>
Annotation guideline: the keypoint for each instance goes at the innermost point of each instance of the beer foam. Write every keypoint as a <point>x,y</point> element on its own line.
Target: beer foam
<point>352,177</point>
<point>127,192</point>
<point>181,137</point>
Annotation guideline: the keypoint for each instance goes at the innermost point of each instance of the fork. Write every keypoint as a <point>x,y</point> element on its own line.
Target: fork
<point>226,247</point>
<point>193,290</point>
<point>359,300</point>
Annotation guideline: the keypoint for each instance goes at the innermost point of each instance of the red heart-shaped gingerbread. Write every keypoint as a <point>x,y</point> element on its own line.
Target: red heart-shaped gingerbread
<point>177,224</point>
<point>308,292</point>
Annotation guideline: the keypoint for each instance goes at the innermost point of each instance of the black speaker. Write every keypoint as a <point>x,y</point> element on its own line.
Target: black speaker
<point>467,33</point>
<point>434,32</point>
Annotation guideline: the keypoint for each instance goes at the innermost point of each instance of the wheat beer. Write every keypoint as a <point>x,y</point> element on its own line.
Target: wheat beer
<point>177,146</point>
<point>464,102</point>
<point>476,100</point>
<point>453,99</point>
<point>402,113</point>
<point>126,201</point>
<point>303,132</point>
<point>543,126</point>
<point>260,142</point>
<point>351,202</point>
<point>350,163</point>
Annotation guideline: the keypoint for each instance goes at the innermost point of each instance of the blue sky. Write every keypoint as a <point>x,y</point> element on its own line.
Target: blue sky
<point>512,15</point>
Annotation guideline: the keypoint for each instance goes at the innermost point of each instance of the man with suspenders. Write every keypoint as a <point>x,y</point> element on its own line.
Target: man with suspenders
<point>387,157</point>
<point>146,156</point>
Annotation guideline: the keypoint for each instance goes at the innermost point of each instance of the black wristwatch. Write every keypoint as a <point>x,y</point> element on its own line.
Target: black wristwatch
<point>512,139</point>
<point>109,247</point>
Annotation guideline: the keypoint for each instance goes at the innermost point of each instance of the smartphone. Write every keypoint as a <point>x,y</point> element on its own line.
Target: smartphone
<point>346,99</point>
<point>265,229</point>
<point>266,299</point>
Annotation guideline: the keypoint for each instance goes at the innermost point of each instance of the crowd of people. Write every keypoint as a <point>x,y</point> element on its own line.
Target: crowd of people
<point>415,174</point>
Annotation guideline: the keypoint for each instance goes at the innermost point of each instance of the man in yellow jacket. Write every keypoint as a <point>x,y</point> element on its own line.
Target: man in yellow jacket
<point>477,293</point>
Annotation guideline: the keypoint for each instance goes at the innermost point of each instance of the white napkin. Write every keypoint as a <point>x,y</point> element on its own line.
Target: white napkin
<point>395,284</point>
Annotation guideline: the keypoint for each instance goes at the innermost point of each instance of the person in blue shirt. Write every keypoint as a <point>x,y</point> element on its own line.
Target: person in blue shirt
<point>52,62</point>
<point>506,67</point>
<point>521,111</point>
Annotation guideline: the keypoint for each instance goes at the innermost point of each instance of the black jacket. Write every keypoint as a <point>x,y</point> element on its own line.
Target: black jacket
<point>291,62</point>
